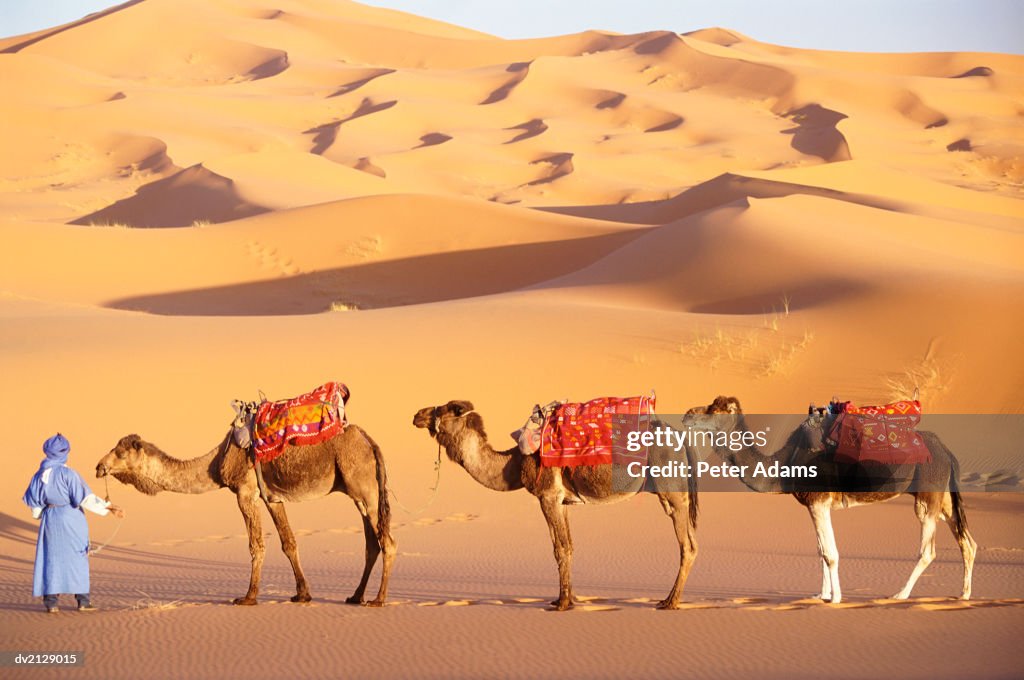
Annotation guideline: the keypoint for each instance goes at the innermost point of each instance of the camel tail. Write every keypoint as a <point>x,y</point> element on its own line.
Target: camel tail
<point>959,513</point>
<point>691,484</point>
<point>383,503</point>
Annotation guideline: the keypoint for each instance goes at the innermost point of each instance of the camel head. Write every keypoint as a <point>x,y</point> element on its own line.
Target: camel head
<point>723,404</point>
<point>448,422</point>
<point>710,418</point>
<point>129,462</point>
<point>703,417</point>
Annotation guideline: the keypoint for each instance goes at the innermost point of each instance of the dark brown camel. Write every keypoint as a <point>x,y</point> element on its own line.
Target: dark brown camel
<point>349,463</point>
<point>460,430</point>
<point>933,486</point>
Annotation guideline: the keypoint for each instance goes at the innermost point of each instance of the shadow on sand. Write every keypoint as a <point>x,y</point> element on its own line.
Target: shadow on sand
<point>436,277</point>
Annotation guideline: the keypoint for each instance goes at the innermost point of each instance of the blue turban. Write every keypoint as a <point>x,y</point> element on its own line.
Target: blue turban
<point>56,449</point>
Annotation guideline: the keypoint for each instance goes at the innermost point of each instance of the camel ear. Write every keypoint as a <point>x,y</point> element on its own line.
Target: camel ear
<point>461,407</point>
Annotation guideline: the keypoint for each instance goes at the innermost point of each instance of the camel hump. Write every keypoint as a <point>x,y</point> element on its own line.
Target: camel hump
<point>305,420</point>
<point>885,434</point>
<point>591,433</point>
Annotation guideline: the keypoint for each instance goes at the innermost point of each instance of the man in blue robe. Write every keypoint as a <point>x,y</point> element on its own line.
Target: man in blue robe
<point>58,495</point>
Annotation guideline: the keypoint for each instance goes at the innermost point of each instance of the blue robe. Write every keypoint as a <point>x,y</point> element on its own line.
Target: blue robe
<point>62,551</point>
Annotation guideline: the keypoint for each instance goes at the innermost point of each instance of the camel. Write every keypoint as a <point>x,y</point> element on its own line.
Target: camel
<point>933,486</point>
<point>460,430</point>
<point>349,463</point>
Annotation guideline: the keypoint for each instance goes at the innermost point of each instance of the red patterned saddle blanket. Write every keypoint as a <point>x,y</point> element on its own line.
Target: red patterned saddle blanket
<point>594,433</point>
<point>880,434</point>
<point>308,419</point>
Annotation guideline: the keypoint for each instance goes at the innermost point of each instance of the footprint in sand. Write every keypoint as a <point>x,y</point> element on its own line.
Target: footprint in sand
<point>461,517</point>
<point>936,607</point>
<point>212,539</point>
<point>698,605</point>
<point>366,247</point>
<point>269,259</point>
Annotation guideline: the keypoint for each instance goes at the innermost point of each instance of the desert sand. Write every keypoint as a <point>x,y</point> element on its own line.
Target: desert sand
<point>203,199</point>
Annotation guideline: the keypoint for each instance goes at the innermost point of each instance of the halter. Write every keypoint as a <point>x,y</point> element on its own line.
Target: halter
<point>433,490</point>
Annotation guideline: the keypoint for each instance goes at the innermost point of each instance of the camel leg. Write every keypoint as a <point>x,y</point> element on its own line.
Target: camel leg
<point>251,514</point>
<point>968,549</point>
<point>826,582</point>
<point>390,548</point>
<point>559,529</point>
<point>291,550</point>
<point>821,515</point>
<point>927,554</point>
<point>376,541</point>
<point>568,539</point>
<point>679,512</point>
<point>372,551</point>
<point>962,535</point>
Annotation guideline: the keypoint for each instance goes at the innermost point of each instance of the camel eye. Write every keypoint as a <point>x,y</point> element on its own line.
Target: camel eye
<point>120,453</point>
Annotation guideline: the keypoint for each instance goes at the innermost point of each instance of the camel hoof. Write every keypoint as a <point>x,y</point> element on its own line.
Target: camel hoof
<point>373,603</point>
<point>302,597</point>
<point>898,596</point>
<point>244,601</point>
<point>667,605</point>
<point>563,606</point>
<point>354,600</point>
<point>554,603</point>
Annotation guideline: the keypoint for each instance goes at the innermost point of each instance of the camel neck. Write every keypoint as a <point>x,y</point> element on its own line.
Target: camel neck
<point>497,470</point>
<point>195,475</point>
<point>751,457</point>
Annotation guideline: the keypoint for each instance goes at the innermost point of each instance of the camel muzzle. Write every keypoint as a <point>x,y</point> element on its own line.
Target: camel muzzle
<point>426,418</point>
<point>101,471</point>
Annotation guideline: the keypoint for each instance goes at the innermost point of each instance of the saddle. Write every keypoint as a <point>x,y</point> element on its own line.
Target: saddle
<point>877,434</point>
<point>593,432</point>
<point>265,428</point>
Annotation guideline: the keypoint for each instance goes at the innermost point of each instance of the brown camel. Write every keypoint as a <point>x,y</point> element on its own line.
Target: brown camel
<point>460,430</point>
<point>350,463</point>
<point>933,485</point>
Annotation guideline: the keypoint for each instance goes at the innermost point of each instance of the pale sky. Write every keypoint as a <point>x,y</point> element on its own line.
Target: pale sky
<point>860,25</point>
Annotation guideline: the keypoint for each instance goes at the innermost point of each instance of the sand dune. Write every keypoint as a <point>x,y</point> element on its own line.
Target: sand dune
<point>206,199</point>
<point>192,195</point>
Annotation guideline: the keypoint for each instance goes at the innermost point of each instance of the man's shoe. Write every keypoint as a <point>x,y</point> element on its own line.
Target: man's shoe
<point>87,608</point>
<point>52,610</point>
